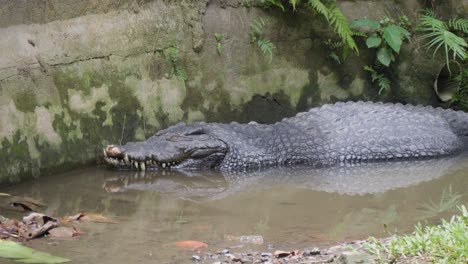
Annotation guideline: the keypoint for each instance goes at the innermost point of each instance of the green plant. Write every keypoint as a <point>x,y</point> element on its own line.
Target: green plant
<point>441,34</point>
<point>448,201</point>
<point>19,253</point>
<point>382,81</point>
<point>257,36</point>
<point>385,35</point>
<point>445,243</point>
<point>460,99</point>
<point>172,55</point>
<point>272,3</point>
<point>219,39</point>
<point>247,3</point>
<point>326,8</point>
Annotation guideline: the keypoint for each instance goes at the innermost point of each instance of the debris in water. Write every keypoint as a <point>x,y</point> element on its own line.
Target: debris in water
<point>89,217</point>
<point>191,244</point>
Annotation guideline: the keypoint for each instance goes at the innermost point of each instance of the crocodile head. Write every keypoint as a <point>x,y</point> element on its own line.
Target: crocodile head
<point>180,147</point>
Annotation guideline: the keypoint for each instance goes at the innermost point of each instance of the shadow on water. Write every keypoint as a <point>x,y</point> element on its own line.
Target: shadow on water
<point>290,207</point>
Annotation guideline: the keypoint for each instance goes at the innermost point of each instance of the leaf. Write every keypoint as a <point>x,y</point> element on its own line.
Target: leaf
<point>384,55</point>
<point>364,23</point>
<point>320,7</point>
<point>4,194</point>
<point>191,244</point>
<point>341,27</point>
<point>294,3</point>
<point>459,24</point>
<point>19,253</point>
<point>89,217</point>
<point>373,41</point>
<point>393,35</point>
<point>439,35</point>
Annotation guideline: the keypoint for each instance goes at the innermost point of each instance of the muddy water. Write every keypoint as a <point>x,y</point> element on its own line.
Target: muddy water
<point>291,208</point>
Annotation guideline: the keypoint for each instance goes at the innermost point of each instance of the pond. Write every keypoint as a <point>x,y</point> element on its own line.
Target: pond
<point>290,208</point>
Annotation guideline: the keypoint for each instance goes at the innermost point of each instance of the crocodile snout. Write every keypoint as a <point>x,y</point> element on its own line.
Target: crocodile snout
<point>112,151</point>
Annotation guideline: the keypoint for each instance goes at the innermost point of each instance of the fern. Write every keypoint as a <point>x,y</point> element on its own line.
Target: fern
<point>439,35</point>
<point>341,27</point>
<point>270,3</point>
<point>382,81</point>
<point>320,8</point>
<point>267,47</point>
<point>257,35</point>
<point>459,24</point>
<point>180,73</point>
<point>327,8</point>
<point>294,3</point>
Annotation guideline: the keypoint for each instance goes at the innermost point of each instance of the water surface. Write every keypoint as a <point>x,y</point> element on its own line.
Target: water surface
<point>291,208</point>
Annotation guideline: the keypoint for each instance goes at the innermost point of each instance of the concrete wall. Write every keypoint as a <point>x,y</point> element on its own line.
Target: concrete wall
<point>78,75</point>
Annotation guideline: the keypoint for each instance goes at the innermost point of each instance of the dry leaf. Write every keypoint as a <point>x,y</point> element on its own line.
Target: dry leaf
<point>89,217</point>
<point>190,244</point>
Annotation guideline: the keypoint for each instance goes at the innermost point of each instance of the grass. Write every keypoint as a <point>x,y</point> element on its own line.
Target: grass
<point>448,202</point>
<point>444,243</point>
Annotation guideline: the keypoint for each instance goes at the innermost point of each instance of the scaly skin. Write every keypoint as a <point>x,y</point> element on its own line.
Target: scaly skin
<point>332,134</point>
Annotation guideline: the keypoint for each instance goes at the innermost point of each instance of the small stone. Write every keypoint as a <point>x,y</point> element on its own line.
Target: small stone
<point>266,255</point>
<point>231,256</point>
<point>196,258</point>
<point>224,251</point>
<point>355,257</point>
<point>312,251</point>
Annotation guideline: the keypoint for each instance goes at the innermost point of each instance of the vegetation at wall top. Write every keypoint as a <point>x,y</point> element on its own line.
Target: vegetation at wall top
<point>326,8</point>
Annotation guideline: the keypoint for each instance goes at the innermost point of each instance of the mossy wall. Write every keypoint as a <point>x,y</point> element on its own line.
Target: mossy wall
<point>78,75</point>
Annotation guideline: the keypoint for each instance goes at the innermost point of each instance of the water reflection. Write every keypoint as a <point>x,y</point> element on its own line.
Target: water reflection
<point>356,179</point>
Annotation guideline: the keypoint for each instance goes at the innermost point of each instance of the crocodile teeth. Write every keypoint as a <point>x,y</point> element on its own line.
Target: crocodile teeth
<point>164,165</point>
<point>105,153</point>
<point>142,166</point>
<point>136,164</point>
<point>126,158</point>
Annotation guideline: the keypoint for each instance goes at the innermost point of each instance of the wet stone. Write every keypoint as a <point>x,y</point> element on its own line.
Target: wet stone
<point>196,258</point>
<point>224,251</point>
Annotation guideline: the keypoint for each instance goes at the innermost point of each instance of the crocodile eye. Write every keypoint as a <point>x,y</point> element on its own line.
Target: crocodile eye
<point>195,132</point>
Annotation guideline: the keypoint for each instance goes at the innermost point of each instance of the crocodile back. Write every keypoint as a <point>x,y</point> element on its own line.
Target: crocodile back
<point>376,131</point>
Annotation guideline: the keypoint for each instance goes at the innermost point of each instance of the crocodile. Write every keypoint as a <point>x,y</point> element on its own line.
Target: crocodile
<point>340,133</point>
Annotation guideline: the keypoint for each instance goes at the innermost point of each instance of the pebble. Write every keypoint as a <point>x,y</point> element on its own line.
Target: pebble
<point>196,258</point>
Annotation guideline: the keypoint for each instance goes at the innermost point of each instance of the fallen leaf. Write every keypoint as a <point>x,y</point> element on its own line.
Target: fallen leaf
<point>89,217</point>
<point>19,253</point>
<point>190,244</point>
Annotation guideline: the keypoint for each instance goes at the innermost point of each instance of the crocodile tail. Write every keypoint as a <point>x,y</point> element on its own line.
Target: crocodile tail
<point>457,120</point>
